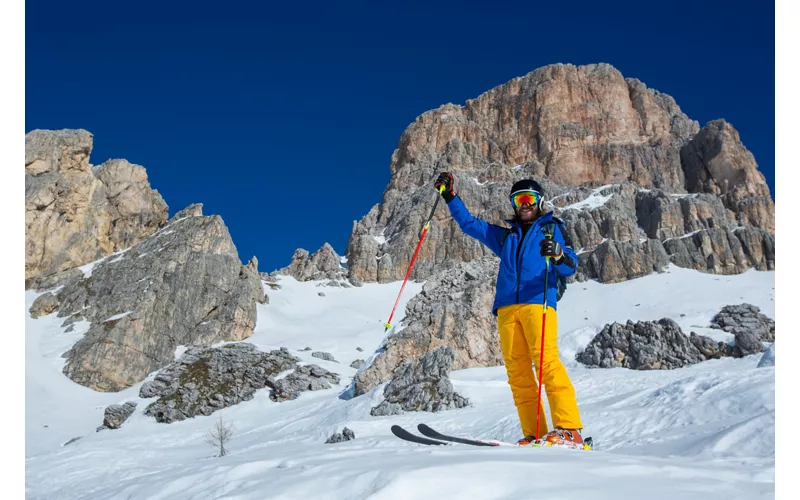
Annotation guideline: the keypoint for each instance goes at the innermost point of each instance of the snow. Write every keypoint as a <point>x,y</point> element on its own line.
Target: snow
<point>117,316</point>
<point>381,239</point>
<point>117,255</point>
<point>182,348</point>
<point>114,257</point>
<point>594,200</point>
<point>687,235</point>
<point>704,431</point>
<point>87,268</point>
<point>479,182</point>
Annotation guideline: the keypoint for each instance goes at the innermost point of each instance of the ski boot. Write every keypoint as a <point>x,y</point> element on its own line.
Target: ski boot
<point>566,438</point>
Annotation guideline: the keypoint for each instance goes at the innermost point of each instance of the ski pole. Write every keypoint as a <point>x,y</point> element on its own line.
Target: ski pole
<point>541,349</point>
<point>422,234</point>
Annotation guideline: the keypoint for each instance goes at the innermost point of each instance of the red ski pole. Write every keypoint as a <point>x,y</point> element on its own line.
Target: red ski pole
<point>541,349</point>
<point>422,234</point>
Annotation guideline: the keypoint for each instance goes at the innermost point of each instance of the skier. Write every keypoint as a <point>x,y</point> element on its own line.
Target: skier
<point>518,305</point>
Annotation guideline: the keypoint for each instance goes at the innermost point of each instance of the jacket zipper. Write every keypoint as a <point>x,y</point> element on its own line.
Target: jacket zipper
<point>519,256</point>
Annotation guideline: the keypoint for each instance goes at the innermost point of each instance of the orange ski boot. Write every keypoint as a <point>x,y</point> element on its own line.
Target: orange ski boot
<point>565,438</point>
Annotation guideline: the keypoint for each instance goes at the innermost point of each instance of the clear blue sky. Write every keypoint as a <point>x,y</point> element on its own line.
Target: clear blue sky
<point>282,118</point>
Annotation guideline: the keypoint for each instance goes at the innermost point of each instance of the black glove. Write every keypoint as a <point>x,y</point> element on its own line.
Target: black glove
<point>445,179</point>
<point>551,248</point>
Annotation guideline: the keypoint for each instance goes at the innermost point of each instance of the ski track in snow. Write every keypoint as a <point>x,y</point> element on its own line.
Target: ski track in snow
<point>704,431</point>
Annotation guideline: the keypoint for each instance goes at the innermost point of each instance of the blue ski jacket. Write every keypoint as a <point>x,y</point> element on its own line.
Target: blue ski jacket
<point>520,279</point>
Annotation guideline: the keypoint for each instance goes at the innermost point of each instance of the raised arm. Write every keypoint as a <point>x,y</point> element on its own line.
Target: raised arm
<point>488,234</point>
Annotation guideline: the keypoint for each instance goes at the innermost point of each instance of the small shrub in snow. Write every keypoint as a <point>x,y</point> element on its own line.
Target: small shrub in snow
<point>219,435</point>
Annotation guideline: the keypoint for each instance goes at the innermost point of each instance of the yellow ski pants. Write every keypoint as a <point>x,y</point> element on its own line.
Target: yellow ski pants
<point>520,328</point>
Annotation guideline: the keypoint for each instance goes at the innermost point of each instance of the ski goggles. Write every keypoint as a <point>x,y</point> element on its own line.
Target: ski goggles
<point>526,197</point>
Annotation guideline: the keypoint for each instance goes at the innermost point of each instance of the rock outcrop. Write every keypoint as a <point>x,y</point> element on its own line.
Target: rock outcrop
<point>182,285</point>
<point>648,345</point>
<point>304,378</point>
<point>453,310</point>
<point>341,437</point>
<point>745,319</point>
<point>116,415</point>
<point>612,155</point>
<point>76,213</point>
<point>422,385</point>
<point>324,264</point>
<point>662,345</point>
<point>43,305</point>
<point>326,356</point>
<point>207,379</point>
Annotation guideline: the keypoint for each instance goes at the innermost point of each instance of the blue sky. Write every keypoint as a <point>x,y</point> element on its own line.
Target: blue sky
<point>282,118</point>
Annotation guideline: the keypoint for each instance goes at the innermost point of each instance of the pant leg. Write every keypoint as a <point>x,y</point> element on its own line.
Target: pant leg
<point>517,359</point>
<point>556,382</point>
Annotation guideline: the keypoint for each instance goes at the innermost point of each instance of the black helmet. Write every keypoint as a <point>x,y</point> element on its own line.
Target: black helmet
<point>527,184</point>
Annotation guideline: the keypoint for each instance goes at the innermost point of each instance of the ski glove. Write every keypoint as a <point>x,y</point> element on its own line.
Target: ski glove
<point>551,248</point>
<point>445,179</point>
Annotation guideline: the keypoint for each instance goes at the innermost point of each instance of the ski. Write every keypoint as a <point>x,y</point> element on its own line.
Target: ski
<point>431,433</point>
<point>426,430</point>
<point>407,436</point>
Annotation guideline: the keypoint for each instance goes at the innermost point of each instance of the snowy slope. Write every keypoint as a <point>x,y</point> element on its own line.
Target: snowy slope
<point>704,431</point>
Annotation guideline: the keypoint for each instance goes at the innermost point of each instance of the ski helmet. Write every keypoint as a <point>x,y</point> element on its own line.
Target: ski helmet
<point>528,184</point>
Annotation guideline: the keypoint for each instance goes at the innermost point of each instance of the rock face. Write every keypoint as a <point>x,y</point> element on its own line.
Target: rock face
<point>323,264</point>
<point>304,378</point>
<point>341,437</point>
<point>207,379</point>
<point>578,130</point>
<point>422,385</point>
<point>116,415</point>
<point>182,285</point>
<point>76,213</point>
<point>662,345</point>
<point>453,310</point>
<point>717,162</point>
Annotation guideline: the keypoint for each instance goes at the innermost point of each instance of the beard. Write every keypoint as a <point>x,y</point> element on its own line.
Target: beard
<point>526,216</point>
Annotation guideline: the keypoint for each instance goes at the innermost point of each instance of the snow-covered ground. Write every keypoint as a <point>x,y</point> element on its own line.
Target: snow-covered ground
<point>705,431</point>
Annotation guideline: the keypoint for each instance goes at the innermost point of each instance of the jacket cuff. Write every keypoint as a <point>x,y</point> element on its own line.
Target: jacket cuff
<point>566,260</point>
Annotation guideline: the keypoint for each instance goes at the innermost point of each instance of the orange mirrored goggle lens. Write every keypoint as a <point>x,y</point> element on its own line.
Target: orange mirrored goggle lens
<point>522,198</point>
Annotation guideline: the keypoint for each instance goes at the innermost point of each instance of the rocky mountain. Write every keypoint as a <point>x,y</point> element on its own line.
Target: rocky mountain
<point>146,288</point>
<point>76,213</point>
<point>639,183</point>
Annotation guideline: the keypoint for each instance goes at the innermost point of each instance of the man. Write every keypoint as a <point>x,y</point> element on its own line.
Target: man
<point>518,305</point>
